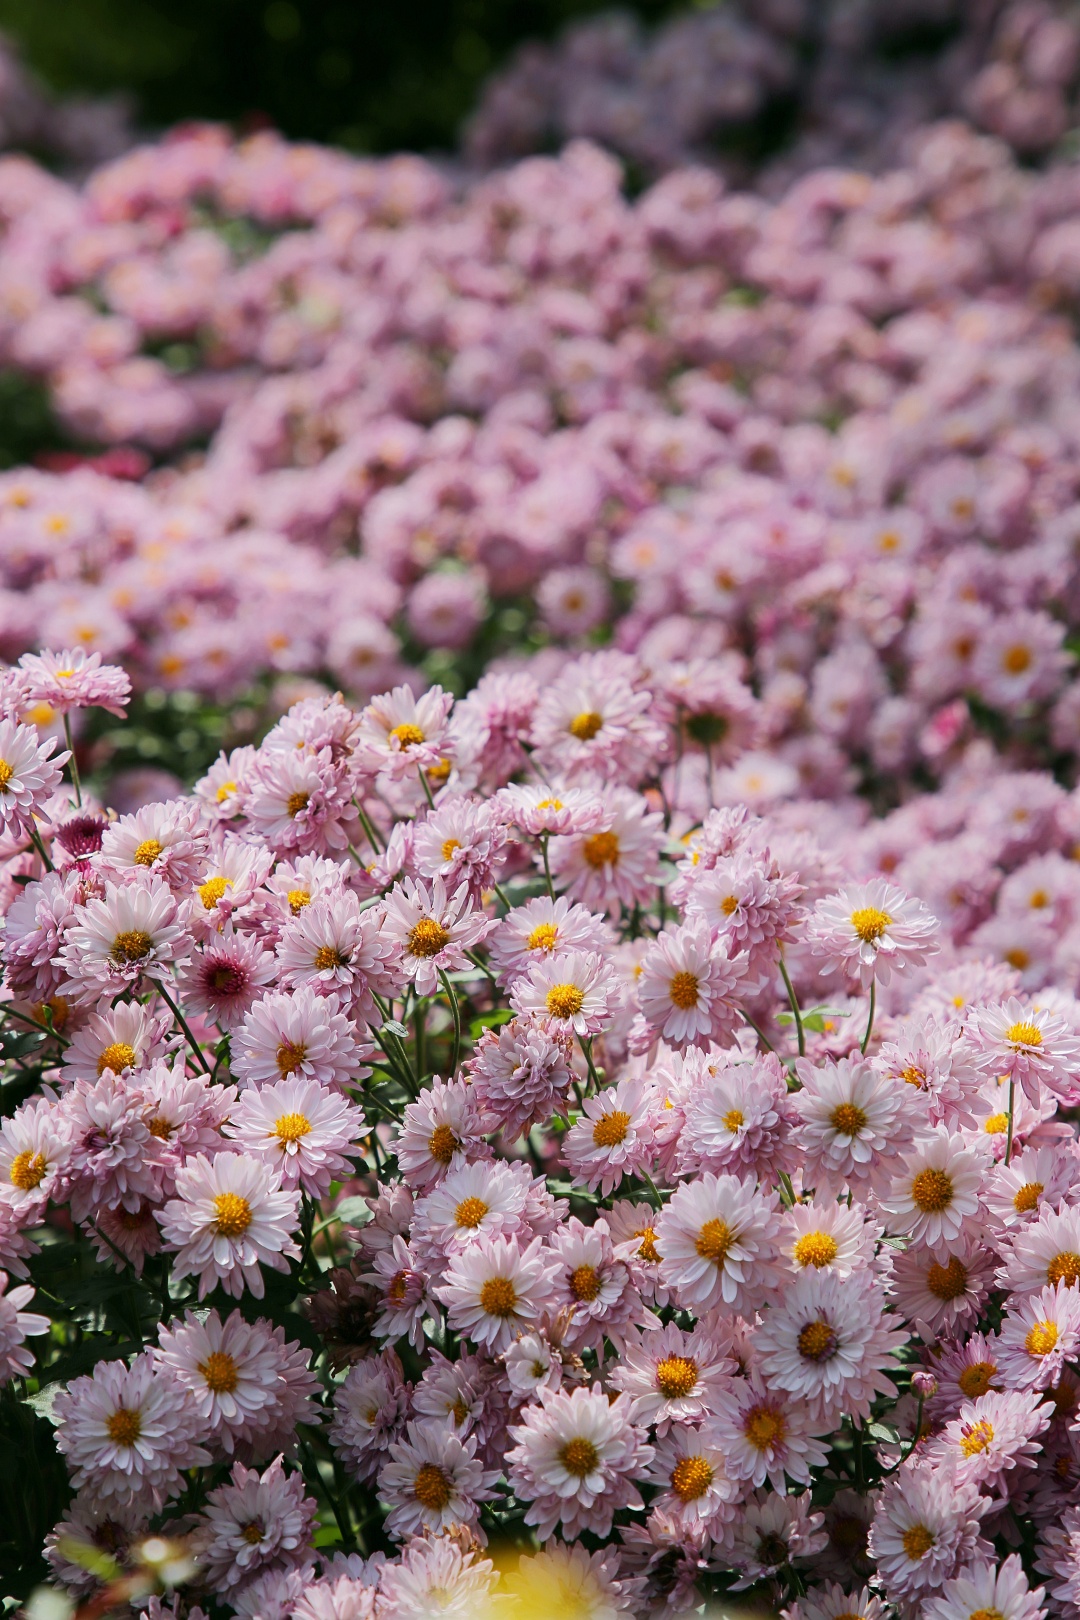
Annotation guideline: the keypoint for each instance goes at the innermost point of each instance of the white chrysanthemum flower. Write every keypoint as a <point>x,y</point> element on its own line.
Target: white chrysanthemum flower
<point>830,1237</point>
<point>872,930</point>
<point>129,1432</point>
<point>578,989</point>
<point>718,1238</point>
<point>827,1341</point>
<point>687,987</point>
<point>230,1216</point>
<point>937,1190</point>
<point>253,1523</point>
<point>136,931</point>
<point>983,1590</point>
<point>1030,1044</point>
<point>308,1134</point>
<point>496,1289</point>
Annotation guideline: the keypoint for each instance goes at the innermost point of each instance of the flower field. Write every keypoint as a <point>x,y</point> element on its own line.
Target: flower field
<point>540,864</point>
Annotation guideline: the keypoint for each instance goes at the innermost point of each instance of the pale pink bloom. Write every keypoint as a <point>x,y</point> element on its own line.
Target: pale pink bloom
<point>576,990</point>
<point>166,839</point>
<point>983,1589</point>
<point>91,1522</point>
<point>16,1326</point>
<point>227,881</point>
<point>1041,1253</point>
<point>35,927</point>
<point>928,1057</point>
<point>1015,1192</point>
<point>936,1191</point>
<point>872,930</point>
<point>1029,1044</point>
<point>718,1237</point>
<point>853,1124</point>
<point>542,928</point>
<point>749,905</point>
<point>297,882</point>
<point>432,1480</point>
<point>29,776</point>
<point>222,789</point>
<point>297,1034</point>
<point>688,985</point>
<point>307,1134</point>
<point>832,1237</point>
<point>337,949</point>
<point>225,976</point>
<point>591,721</point>
<point>618,864</point>
<point>963,1369</point>
<point>1059,1557</point>
<point>129,1431</point>
<point>485,1199</point>
<point>765,1433</point>
<point>496,1289</point>
<point>435,1572</point>
<point>673,1375</point>
<point>520,1074</point>
<point>926,1528</point>
<point>126,1038</point>
<point>613,1137</point>
<point>433,931</point>
<point>769,1532</point>
<point>405,1289</point>
<point>574,1460</point>
<point>991,1435</point>
<point>739,1118</point>
<point>827,1341</point>
<point>253,1523</point>
<point>541,811</point>
<point>940,1291</point>
<point>74,679</point>
<point>137,931</point>
<point>594,1285</point>
<point>1039,1336</point>
<point>229,1217</point>
<point>369,1412</point>
<point>114,1157</point>
<point>461,841</point>
<point>694,1488</point>
<point>832,1602</point>
<point>534,1367</point>
<point>35,1152</point>
<point>184,1113</point>
<point>400,734</point>
<point>440,1130</point>
<point>338,1597</point>
<point>299,803</point>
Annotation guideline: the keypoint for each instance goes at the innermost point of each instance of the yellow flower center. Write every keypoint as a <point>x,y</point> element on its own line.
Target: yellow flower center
<point>6,773</point>
<point>296,802</point>
<point>449,846</point>
<point>232,1214</point>
<point>407,736</point>
<point>328,956</point>
<point>870,923</point>
<point>124,1426</point>
<point>147,852</point>
<point>932,1191</point>
<point>565,1000</point>
<point>848,1119</point>
<point>220,1372</point>
<point>470,1212</point>
<point>949,1281</point>
<point>1027,1197</point>
<point>584,726</point>
<point>28,1170</point>
<point>1064,1267</point>
<point>291,1128</point>
<point>715,1240</point>
<point>498,1297</point>
<point>442,1144</point>
<point>117,1057</point>
<point>212,890</point>
<point>676,1376</point>
<point>610,1129</point>
<point>160,1127</point>
<point>550,804</point>
<point>579,1457</point>
<point>986,1614</point>
<point>131,946</point>
<point>1041,1338</point>
<point>253,1533</point>
<point>683,990</point>
<point>602,849</point>
<point>544,937</point>
<point>816,1249</point>
<point>818,1342</point>
<point>225,791</point>
<point>733,1119</point>
<point>996,1125</point>
<point>585,1283</point>
<point>1024,1034</point>
<point>976,1438</point>
<point>459,1411</point>
<point>298,899</point>
<point>428,937</point>
<point>729,905</point>
<point>976,1379</point>
<point>647,1249</point>
<point>917,1542</point>
<point>691,1478</point>
<point>290,1057</point>
<point>431,1487</point>
<point>912,1076</point>
<point>1015,660</point>
<point>764,1426</point>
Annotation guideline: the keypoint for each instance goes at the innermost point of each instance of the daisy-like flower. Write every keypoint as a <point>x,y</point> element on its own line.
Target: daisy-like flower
<point>435,1577</point>
<point>337,949</point>
<point>672,1375</point>
<point>928,1057</point>
<point>694,1488</point>
<point>1043,1252</point>
<point>230,875</point>
<point>872,930</point>
<point>591,1282</point>
<point>1031,1045</point>
<point>1036,1177</point>
<point>765,1433</point>
<point>542,928</point>
<point>136,931</point>
<point>827,1341</point>
<point>29,776</point>
<point>126,1038</point>
<point>405,1287</point>
<point>938,1292</point>
<point>301,1129</point>
<point>1039,1335</point>
<point>496,1289</point>
<point>223,979</point>
<point>485,1199</point>
<point>462,841</point>
<point>35,1152</point>
<point>369,1412</point>
<point>737,1118</point>
<point>613,1137</point>
<point>432,1480</point>
<point>129,1432</point>
<point>300,803</point>
<point>964,1370</point>
<point>229,1217</point>
<point>575,1458</point>
<point>926,1527</point>
<point>16,1326</point>
<point>832,1602</point>
<point>297,1035</point>
<point>718,1238</point>
<point>748,904</point>
<point>936,1191</point>
<point>115,1159</point>
<point>167,839</point>
<point>74,679</point>
<point>769,1533</point>
<point>991,1435</point>
<point>617,865</point>
<point>240,1374</point>
<point>541,811</point>
<point>534,1366</point>
<point>253,1523</point>
<point>399,734</point>
<point>575,989</point>
<point>591,721</point>
<point>102,1527</point>
<point>439,1132</point>
<point>850,1124</point>
<point>981,1589</point>
<point>340,1597</point>
<point>520,1074</point>
<point>571,1581</point>
<point>687,987</point>
<point>433,932</point>
<point>829,1237</point>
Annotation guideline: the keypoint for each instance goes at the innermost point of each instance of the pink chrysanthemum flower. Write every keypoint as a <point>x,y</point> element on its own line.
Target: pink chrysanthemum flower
<point>16,1326</point>
<point>137,931</point>
<point>400,734</point>
<point>991,1435</point>
<point>964,1370</point>
<point>433,931</point>
<point>300,1129</point>
<point>694,1488</point>
<point>1039,1336</point>
<point>461,841</point>
<point>613,1137</point>
<point>618,864</point>
<point>435,1572</point>
<point>832,1602</point>
<point>940,1291</point>
<point>543,928</point>
<point>369,1412</point>
<point>926,1527</point>
<point>825,1236</point>
<point>1044,1252</point>
<point>74,679</point>
<point>229,876</point>
<point>577,990</point>
<point>575,1459</point>
<point>596,1287</point>
<point>126,1038</point>
<point>983,1589</point>
<point>520,1075</point>
<point>770,1532</point>
<point>687,987</point>
<point>166,839</point>
<point>337,949</point>
<point>718,1238</point>
<point>253,1523</point>
<point>405,1287</point>
<point>749,905</point>
<point>114,1159</point>
<point>339,1597</point>
<point>229,1217</point>
<point>853,1122</point>
<point>440,1130</point>
<point>1030,1045</point>
<point>298,1035</point>
<point>827,1341</point>
<point>591,721</point>
<point>1035,1178</point>
<point>488,1198</point>
<point>544,811</point>
<point>738,1118</point>
<point>937,1190</point>
<point>299,803</point>
<point>35,1151</point>
<point>221,790</point>
<point>872,930</point>
<point>223,978</point>
<point>29,776</point>
<point>432,1480</point>
<point>495,1289</point>
<point>130,1432</point>
<point>672,1375</point>
<point>765,1433</point>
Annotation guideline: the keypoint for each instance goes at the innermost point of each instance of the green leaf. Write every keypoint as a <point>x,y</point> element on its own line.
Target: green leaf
<point>491,1020</point>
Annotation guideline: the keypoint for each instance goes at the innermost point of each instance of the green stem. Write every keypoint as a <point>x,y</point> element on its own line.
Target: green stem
<point>369,827</point>
<point>1009,1134</point>
<point>485,970</point>
<point>870,1020</point>
<point>426,787</point>
<point>794,1000</point>
<point>502,896</point>
<point>758,1031</point>
<point>72,766</point>
<point>586,1047</point>
<point>456,1012</point>
<point>547,869</point>
<point>182,1021</point>
<point>654,1191</point>
<point>35,839</point>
